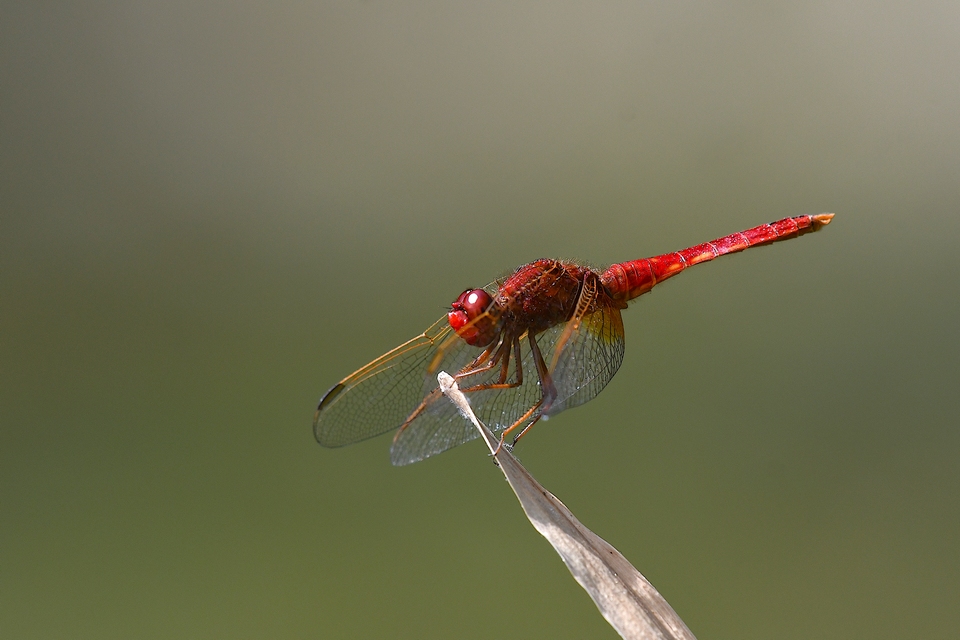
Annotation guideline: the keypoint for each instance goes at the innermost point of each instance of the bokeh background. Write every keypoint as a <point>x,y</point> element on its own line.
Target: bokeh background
<point>213,211</point>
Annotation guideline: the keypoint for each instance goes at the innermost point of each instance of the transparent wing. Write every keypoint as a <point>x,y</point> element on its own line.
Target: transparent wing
<point>589,356</point>
<point>588,359</point>
<point>439,427</point>
<point>380,396</point>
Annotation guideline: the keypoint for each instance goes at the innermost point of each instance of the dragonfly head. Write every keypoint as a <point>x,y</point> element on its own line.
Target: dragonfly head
<point>469,316</point>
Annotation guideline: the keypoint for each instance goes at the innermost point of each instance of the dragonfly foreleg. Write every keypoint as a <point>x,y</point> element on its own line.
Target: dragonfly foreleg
<point>479,366</point>
<point>504,373</point>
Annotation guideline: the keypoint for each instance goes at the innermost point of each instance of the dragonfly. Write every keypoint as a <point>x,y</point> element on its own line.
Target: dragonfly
<point>547,338</point>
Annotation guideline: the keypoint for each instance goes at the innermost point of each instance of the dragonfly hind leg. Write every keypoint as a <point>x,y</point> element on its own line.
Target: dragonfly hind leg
<point>548,393</point>
<point>513,427</point>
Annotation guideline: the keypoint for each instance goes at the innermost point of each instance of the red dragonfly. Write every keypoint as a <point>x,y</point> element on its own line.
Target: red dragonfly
<point>547,338</point>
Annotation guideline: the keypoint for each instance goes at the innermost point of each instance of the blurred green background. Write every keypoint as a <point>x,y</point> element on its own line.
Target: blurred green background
<point>213,211</point>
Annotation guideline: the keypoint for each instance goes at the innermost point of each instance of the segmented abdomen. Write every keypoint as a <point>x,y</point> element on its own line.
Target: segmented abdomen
<point>627,280</point>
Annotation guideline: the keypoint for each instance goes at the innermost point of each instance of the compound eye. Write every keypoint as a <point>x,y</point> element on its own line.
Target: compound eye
<point>474,302</point>
<point>470,307</point>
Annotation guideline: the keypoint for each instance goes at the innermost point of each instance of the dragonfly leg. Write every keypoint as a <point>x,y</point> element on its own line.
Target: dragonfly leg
<point>504,372</point>
<point>479,365</point>
<point>547,389</point>
<point>505,369</point>
<point>548,395</point>
<point>525,429</point>
<point>513,427</point>
<point>498,350</point>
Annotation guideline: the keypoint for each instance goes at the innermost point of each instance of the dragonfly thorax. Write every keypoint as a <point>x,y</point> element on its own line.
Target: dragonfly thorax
<point>541,294</point>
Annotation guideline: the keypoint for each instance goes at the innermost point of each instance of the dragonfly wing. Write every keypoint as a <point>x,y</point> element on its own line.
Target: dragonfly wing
<point>434,431</point>
<point>586,359</point>
<point>439,427</point>
<point>380,396</point>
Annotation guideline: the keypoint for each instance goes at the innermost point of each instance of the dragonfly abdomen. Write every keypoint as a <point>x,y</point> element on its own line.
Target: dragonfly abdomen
<point>627,280</point>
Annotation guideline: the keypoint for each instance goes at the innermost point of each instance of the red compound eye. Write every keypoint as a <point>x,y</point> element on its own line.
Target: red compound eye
<point>468,319</point>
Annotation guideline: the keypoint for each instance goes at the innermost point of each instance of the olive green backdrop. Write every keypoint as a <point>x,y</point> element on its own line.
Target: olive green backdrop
<point>210,212</point>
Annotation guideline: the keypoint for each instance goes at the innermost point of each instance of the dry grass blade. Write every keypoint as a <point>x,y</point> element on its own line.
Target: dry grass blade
<point>625,598</point>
